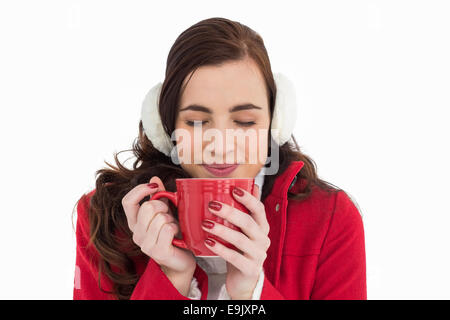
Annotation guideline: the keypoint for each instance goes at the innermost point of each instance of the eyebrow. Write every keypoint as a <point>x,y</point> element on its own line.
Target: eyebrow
<point>240,107</point>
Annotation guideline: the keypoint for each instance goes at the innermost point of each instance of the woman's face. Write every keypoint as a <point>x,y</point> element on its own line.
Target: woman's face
<point>228,105</point>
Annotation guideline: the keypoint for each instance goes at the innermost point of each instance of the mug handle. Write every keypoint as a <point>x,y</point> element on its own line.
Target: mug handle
<point>172,196</point>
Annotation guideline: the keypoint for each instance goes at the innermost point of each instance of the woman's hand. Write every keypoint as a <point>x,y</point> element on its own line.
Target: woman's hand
<point>244,266</point>
<point>154,228</point>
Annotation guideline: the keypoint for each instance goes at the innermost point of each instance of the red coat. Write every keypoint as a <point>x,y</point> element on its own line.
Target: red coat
<point>317,250</point>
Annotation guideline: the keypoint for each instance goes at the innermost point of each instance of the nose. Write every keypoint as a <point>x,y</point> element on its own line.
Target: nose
<point>221,146</point>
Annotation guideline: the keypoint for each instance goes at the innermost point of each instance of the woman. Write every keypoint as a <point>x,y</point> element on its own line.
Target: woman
<point>304,237</point>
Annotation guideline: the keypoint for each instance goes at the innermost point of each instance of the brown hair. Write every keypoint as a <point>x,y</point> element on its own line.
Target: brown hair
<point>209,42</point>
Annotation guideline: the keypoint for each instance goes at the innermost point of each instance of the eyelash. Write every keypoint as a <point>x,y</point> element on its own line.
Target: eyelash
<point>243,124</point>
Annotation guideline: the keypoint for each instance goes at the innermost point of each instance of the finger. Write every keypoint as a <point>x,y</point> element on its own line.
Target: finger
<point>154,229</point>
<point>161,187</point>
<point>240,219</point>
<point>167,234</point>
<point>236,238</point>
<point>130,202</point>
<point>255,206</point>
<point>242,263</point>
<point>256,191</point>
<point>165,238</point>
<point>164,250</point>
<point>147,212</point>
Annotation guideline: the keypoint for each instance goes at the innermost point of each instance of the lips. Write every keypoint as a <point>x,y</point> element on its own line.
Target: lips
<point>220,170</point>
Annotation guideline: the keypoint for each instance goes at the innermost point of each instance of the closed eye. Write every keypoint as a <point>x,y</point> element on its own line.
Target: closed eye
<point>195,123</point>
<point>245,124</point>
<point>240,123</point>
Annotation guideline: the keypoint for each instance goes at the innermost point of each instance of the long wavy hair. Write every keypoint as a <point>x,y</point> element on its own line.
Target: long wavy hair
<point>209,42</point>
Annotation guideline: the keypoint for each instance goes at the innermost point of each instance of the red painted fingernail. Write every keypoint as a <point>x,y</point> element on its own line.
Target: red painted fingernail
<point>238,192</point>
<point>208,224</point>
<point>152,185</point>
<point>210,242</point>
<point>215,205</point>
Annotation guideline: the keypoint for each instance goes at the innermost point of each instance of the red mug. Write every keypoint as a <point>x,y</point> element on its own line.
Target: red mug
<point>192,198</point>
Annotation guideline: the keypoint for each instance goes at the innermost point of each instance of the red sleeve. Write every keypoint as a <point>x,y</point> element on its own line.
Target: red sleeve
<point>269,292</point>
<point>341,269</point>
<point>152,285</point>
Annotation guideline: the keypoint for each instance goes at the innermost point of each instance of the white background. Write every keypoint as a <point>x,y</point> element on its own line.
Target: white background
<point>372,79</point>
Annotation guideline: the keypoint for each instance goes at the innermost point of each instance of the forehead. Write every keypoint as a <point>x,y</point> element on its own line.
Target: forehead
<point>220,87</point>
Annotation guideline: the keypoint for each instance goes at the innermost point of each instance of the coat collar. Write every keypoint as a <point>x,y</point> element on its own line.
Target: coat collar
<point>276,211</point>
<point>286,180</point>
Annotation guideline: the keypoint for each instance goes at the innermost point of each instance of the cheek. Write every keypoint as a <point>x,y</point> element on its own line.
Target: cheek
<point>256,149</point>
